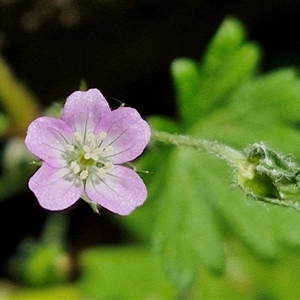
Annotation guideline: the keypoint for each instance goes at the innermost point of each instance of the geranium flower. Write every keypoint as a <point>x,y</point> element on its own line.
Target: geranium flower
<point>83,154</point>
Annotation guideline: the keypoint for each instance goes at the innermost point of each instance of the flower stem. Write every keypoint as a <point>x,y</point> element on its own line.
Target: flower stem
<point>250,175</point>
<point>55,229</point>
<point>230,155</point>
<point>93,205</point>
<point>278,202</point>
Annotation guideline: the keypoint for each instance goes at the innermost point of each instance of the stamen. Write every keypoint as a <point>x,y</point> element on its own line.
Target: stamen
<point>109,148</point>
<point>70,147</point>
<point>102,135</point>
<point>74,167</point>
<point>101,173</point>
<point>77,136</point>
<point>88,152</point>
<point>91,137</point>
<point>91,152</point>
<point>92,144</point>
<point>108,165</point>
<point>84,174</point>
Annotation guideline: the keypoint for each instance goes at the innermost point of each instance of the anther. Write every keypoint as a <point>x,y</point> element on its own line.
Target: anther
<point>109,148</point>
<point>88,152</point>
<point>102,135</point>
<point>70,147</point>
<point>101,173</point>
<point>74,167</point>
<point>77,136</point>
<point>108,165</point>
<point>91,137</point>
<point>84,174</point>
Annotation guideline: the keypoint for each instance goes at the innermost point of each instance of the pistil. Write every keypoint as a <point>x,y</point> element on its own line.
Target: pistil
<point>87,154</point>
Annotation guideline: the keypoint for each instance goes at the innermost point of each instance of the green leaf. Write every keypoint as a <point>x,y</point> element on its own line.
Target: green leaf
<point>123,273</point>
<point>227,63</point>
<point>247,218</point>
<point>186,77</point>
<point>286,224</point>
<point>253,115</point>
<point>162,123</point>
<point>151,167</point>
<point>229,37</point>
<point>273,97</point>
<point>259,110</point>
<point>263,109</point>
<point>217,87</point>
<point>221,99</point>
<point>186,228</point>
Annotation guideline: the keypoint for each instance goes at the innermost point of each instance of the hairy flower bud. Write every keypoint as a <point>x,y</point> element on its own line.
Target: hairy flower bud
<point>268,174</point>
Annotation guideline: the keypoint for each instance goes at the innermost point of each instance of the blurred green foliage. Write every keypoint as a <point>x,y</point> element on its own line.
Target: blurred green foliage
<point>17,101</point>
<point>124,273</point>
<point>199,235</point>
<point>196,207</point>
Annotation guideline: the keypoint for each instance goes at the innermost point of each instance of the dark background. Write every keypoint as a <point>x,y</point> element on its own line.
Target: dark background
<point>124,48</point>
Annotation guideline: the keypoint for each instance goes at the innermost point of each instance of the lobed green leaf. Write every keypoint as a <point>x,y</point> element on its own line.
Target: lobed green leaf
<point>123,273</point>
<point>186,230</point>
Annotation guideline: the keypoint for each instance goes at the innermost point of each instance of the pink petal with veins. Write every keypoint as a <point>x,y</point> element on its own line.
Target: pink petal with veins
<point>55,189</point>
<point>127,133</point>
<point>83,110</point>
<point>47,138</point>
<point>121,191</point>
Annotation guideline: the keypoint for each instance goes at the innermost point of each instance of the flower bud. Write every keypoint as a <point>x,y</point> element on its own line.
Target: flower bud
<point>267,174</point>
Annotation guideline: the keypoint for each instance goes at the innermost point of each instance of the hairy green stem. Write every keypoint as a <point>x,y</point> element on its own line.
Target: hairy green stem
<point>278,202</point>
<point>243,167</point>
<point>230,155</point>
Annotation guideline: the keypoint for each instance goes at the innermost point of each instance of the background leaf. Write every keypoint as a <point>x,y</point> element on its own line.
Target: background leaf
<point>227,62</point>
<point>153,168</point>
<point>223,99</point>
<point>123,273</point>
<point>186,229</point>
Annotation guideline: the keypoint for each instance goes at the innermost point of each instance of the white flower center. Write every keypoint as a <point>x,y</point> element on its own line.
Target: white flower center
<point>88,155</point>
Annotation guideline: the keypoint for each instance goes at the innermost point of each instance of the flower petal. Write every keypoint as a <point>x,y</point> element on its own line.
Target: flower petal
<point>55,189</point>
<point>127,133</point>
<point>121,191</point>
<point>83,110</point>
<point>47,138</point>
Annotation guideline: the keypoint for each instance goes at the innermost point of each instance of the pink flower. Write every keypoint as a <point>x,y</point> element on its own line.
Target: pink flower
<point>83,153</point>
